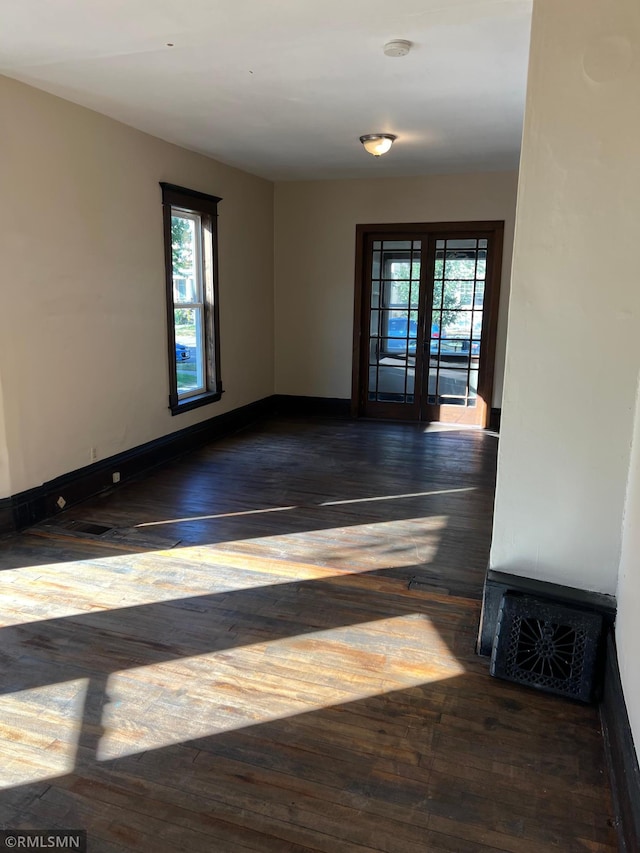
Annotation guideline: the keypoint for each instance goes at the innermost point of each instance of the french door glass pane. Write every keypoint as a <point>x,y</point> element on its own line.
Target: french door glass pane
<point>375,294</point>
<point>456,321</point>
<point>473,386</point>
<point>402,246</point>
<point>482,263</point>
<point>458,294</point>
<point>393,329</point>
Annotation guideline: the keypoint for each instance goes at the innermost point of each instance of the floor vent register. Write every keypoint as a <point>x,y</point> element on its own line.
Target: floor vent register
<point>548,646</point>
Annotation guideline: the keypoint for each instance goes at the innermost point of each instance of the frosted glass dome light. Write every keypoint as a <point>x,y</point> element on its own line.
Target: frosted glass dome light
<point>378,143</point>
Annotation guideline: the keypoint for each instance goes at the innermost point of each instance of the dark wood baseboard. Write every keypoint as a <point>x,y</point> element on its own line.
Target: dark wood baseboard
<point>497,583</point>
<point>622,760</point>
<point>295,406</point>
<point>30,507</point>
<point>34,505</point>
<point>6,516</point>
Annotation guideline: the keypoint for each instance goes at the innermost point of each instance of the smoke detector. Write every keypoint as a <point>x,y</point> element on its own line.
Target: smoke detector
<point>397,47</point>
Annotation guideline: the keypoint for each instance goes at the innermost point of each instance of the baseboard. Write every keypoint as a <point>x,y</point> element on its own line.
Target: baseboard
<point>34,505</point>
<point>328,407</point>
<point>497,583</point>
<point>494,419</point>
<point>622,759</point>
<point>6,516</point>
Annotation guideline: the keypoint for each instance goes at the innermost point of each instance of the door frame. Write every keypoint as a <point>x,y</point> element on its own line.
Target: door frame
<point>494,230</point>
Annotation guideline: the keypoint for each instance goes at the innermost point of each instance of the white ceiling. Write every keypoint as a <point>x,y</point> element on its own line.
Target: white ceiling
<point>284,88</point>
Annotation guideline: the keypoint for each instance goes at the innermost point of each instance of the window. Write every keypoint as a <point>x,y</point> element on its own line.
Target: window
<point>192,297</point>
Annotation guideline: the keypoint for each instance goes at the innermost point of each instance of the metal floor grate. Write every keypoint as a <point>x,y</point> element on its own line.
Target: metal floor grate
<point>90,530</point>
<point>548,646</point>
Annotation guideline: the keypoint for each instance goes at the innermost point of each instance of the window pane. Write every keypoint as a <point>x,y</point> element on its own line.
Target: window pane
<point>375,267</point>
<point>189,350</point>
<point>398,270</point>
<point>397,246</point>
<point>456,324</point>
<point>396,327</point>
<point>451,353</point>
<point>185,256</point>
<point>473,384</point>
<point>375,294</point>
<point>437,294</point>
<point>411,379</point>
<point>189,223</point>
<point>458,294</point>
<point>373,381</point>
<point>396,294</point>
<point>452,383</point>
<point>391,378</point>
<point>460,265</point>
<point>469,243</point>
<point>482,264</point>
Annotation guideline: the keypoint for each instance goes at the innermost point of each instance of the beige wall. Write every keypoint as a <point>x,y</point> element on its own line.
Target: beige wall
<point>314,262</point>
<point>83,325</point>
<point>574,320</point>
<point>83,321</point>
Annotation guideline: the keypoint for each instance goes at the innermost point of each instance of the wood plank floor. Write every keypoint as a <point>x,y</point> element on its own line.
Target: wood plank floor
<point>297,674</point>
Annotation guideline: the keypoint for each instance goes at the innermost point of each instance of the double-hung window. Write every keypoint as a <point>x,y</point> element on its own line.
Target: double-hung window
<point>191,260</point>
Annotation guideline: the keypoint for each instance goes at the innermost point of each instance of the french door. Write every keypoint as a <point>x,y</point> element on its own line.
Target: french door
<point>425,324</point>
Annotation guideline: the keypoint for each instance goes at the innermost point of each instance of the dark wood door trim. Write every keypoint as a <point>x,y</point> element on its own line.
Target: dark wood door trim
<point>493,229</point>
<point>492,305</point>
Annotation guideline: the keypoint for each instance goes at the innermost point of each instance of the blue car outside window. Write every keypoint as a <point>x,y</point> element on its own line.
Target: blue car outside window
<point>397,328</point>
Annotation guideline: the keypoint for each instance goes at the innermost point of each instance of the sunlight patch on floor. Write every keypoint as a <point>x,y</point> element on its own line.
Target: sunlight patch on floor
<point>355,547</point>
<point>176,701</point>
<point>54,591</point>
<point>39,732</point>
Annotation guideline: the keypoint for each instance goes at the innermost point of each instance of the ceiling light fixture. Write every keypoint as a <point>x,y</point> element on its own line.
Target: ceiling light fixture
<point>378,143</point>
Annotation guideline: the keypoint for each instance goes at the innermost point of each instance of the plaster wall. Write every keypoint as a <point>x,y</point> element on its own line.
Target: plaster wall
<point>574,316</point>
<point>83,322</point>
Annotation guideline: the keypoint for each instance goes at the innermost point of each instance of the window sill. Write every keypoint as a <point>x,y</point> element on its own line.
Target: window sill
<point>194,402</point>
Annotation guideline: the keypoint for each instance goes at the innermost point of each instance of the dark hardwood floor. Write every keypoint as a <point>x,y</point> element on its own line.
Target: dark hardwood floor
<point>274,651</point>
